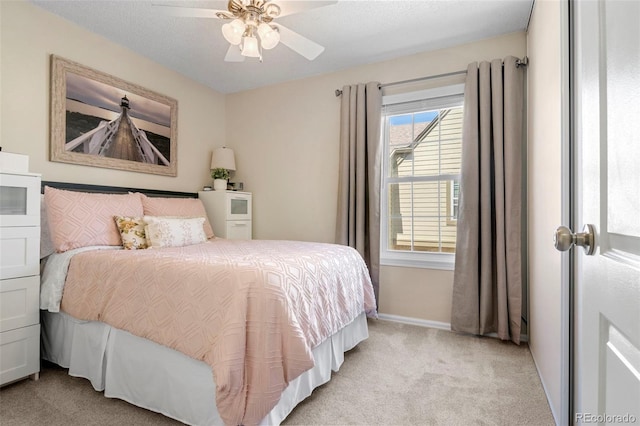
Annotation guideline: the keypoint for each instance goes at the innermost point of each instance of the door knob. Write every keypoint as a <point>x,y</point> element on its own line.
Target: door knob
<point>564,239</point>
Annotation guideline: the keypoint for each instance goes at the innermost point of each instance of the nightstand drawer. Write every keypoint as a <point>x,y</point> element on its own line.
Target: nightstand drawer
<point>238,230</point>
<point>19,302</point>
<point>229,213</point>
<point>19,251</point>
<point>19,353</point>
<point>238,206</point>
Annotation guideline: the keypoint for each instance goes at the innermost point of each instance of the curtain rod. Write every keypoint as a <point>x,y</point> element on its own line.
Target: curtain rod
<point>519,63</point>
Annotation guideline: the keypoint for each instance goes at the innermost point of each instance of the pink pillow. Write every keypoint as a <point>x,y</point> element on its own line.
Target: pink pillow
<point>178,207</point>
<point>80,219</point>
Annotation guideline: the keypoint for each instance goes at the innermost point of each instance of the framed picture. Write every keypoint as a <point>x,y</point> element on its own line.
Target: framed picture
<point>103,121</point>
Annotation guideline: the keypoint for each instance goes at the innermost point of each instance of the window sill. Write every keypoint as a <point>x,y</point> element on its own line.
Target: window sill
<point>419,260</point>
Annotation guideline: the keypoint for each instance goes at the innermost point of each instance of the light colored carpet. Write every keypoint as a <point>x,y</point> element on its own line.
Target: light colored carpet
<point>401,375</point>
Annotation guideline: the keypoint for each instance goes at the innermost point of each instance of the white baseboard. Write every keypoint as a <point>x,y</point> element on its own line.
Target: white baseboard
<point>433,324</point>
<point>546,392</point>
<point>416,321</point>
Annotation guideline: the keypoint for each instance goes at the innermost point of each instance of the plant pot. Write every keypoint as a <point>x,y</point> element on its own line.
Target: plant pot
<point>220,184</point>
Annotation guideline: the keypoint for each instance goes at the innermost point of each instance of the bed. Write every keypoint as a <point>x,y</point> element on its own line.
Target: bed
<point>204,330</point>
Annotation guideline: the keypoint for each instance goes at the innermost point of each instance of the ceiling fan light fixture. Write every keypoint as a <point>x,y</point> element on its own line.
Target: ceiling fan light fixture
<point>272,10</point>
<point>233,31</point>
<point>249,27</point>
<point>269,36</point>
<point>250,47</point>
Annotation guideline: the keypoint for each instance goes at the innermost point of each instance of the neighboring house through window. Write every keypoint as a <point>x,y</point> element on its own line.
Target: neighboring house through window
<point>422,136</point>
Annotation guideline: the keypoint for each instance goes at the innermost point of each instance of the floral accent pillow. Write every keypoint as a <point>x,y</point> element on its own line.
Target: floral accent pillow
<point>132,232</point>
<point>163,231</point>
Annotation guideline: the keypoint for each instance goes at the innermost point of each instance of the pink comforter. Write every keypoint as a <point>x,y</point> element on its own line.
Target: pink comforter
<point>252,310</point>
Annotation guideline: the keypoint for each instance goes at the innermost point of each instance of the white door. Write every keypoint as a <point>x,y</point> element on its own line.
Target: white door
<point>607,195</point>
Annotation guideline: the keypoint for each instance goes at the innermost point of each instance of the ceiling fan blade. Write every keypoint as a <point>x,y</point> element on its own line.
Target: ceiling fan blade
<point>287,7</point>
<point>290,7</point>
<point>233,54</point>
<point>302,45</point>
<point>191,12</point>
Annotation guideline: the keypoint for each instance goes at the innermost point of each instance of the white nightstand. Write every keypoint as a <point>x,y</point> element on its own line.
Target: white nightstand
<point>19,276</point>
<point>229,213</point>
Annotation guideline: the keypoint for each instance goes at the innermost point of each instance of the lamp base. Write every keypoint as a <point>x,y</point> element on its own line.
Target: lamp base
<point>220,184</point>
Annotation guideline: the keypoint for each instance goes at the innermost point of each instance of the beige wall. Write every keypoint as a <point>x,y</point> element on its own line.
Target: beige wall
<point>286,139</point>
<point>285,136</point>
<point>544,194</point>
<point>416,293</point>
<point>30,35</point>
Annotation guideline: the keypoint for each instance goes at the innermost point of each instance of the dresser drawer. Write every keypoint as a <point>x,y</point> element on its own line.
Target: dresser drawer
<point>19,304</point>
<point>238,230</point>
<point>19,353</point>
<point>19,200</point>
<point>19,251</point>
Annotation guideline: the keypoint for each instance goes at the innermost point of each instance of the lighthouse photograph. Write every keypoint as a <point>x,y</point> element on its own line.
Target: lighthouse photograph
<point>103,120</point>
<point>100,120</point>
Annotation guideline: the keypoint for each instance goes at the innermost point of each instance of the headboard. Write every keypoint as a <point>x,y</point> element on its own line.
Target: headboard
<point>115,190</point>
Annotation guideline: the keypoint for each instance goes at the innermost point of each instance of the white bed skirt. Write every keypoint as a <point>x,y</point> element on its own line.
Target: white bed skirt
<point>161,379</point>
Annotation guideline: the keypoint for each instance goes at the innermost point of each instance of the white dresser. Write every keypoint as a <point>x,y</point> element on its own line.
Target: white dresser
<point>229,213</point>
<point>19,275</point>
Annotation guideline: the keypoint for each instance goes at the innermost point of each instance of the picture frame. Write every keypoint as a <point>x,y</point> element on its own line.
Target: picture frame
<point>103,121</point>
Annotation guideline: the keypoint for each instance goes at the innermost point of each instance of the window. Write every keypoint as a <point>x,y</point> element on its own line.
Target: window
<point>422,135</point>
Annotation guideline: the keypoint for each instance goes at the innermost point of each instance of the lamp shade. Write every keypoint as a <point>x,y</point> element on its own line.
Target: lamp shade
<point>223,158</point>
<point>250,47</point>
<point>233,31</point>
<point>268,36</point>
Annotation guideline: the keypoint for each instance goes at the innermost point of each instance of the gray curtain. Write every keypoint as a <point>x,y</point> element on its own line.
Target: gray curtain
<point>487,287</point>
<point>358,220</point>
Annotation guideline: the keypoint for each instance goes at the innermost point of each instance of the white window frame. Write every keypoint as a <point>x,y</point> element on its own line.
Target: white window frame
<point>452,215</point>
<point>432,98</point>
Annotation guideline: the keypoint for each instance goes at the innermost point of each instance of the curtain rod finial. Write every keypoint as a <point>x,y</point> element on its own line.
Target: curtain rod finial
<point>338,92</point>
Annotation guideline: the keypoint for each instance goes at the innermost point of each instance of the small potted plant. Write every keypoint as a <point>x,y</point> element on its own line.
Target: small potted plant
<point>220,177</point>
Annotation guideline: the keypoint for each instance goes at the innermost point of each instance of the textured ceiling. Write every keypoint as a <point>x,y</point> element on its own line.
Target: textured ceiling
<point>352,32</point>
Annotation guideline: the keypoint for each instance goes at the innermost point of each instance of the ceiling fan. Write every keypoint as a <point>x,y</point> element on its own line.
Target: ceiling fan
<point>252,29</point>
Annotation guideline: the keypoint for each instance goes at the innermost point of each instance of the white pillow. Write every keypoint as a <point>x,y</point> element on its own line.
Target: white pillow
<point>163,231</point>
